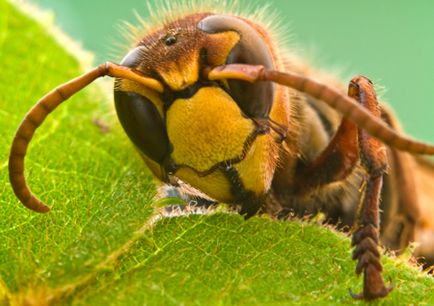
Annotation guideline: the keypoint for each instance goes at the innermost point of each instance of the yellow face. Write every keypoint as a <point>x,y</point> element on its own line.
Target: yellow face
<point>212,135</point>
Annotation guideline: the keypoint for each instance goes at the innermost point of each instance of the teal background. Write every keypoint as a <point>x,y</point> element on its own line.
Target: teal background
<point>391,42</point>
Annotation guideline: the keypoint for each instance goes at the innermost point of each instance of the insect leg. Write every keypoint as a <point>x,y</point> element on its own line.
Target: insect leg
<point>334,163</point>
<point>373,157</point>
<point>193,199</point>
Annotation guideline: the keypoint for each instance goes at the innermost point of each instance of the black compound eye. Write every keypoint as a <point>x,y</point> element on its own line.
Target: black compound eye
<point>170,40</point>
<point>134,57</point>
<point>143,124</point>
<point>255,100</point>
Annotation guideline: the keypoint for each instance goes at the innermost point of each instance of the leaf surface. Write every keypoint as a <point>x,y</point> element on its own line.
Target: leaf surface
<point>98,245</point>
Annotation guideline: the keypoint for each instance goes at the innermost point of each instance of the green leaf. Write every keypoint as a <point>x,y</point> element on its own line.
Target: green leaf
<point>169,201</point>
<point>101,245</point>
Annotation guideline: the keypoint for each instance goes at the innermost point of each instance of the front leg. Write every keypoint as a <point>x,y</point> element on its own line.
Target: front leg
<point>338,159</point>
<point>366,235</point>
<point>195,202</point>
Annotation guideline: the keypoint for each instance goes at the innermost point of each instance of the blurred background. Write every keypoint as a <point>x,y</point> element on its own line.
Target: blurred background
<point>390,41</point>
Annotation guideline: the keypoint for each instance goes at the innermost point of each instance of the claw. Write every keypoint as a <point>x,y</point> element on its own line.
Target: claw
<point>355,296</point>
<point>371,296</point>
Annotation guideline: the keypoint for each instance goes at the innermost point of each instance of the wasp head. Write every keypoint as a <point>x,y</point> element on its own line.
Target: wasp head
<point>195,125</point>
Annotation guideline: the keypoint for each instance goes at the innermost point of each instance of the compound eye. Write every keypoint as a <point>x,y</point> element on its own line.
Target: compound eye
<point>133,58</point>
<point>255,100</point>
<point>139,116</point>
<point>143,124</point>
